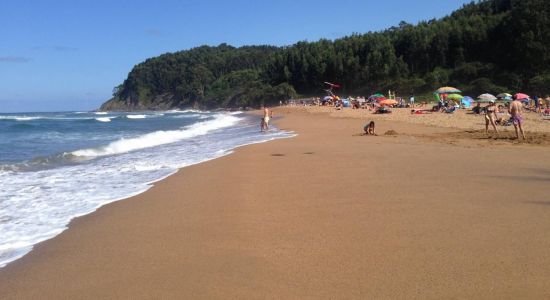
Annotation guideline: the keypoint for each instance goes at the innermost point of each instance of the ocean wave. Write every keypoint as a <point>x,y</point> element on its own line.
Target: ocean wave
<point>158,138</point>
<point>188,116</point>
<point>101,113</point>
<point>176,111</point>
<point>19,118</point>
<point>27,118</point>
<point>41,163</point>
<point>105,119</point>
<point>39,204</point>
<point>136,116</point>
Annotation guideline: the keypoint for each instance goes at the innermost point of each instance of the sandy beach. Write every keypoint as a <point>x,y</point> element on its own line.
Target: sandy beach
<point>460,119</point>
<point>430,210</point>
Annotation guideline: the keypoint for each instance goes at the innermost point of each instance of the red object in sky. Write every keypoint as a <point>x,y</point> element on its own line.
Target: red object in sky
<point>334,85</point>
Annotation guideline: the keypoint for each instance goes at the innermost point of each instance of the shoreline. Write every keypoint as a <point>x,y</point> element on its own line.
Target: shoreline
<point>145,185</point>
<point>328,214</point>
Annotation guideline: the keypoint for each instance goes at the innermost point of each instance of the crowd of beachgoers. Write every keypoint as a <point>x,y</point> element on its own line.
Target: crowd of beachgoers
<point>490,113</point>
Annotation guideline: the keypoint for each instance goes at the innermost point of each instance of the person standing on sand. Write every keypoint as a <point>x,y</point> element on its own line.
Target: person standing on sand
<point>536,100</point>
<point>490,117</point>
<point>516,110</point>
<point>267,116</point>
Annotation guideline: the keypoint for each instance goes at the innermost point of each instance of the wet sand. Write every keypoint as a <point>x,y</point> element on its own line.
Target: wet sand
<point>330,213</point>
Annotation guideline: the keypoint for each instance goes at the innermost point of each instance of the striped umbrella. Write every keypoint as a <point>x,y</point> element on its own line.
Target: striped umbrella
<point>504,96</point>
<point>447,90</point>
<point>376,96</point>
<point>486,98</point>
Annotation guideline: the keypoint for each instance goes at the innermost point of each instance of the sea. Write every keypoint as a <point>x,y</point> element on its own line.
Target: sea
<point>61,165</point>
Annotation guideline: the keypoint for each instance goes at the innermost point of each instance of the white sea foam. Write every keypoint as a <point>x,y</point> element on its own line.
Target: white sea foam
<point>192,111</point>
<point>105,119</point>
<point>136,116</point>
<point>38,205</point>
<point>158,138</point>
<point>101,113</point>
<point>27,118</point>
<point>186,116</point>
<point>148,167</point>
<point>9,117</point>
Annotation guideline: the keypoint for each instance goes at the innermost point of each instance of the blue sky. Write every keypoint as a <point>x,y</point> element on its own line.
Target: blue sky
<point>68,55</point>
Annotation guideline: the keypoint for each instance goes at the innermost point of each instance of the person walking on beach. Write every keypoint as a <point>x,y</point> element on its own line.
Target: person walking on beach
<point>490,117</point>
<point>516,110</point>
<point>265,120</point>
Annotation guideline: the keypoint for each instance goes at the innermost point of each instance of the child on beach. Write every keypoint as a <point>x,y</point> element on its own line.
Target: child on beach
<point>262,124</point>
<point>369,128</point>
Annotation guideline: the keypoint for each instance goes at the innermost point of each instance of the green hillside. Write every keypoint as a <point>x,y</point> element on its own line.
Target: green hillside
<point>486,46</point>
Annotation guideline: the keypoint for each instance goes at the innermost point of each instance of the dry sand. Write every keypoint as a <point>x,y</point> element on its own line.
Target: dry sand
<point>327,214</point>
<point>461,119</point>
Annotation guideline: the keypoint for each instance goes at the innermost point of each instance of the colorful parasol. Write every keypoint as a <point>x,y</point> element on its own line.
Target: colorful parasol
<point>376,96</point>
<point>447,90</point>
<point>388,102</point>
<point>487,97</point>
<point>521,96</point>
<point>456,97</point>
<point>504,96</point>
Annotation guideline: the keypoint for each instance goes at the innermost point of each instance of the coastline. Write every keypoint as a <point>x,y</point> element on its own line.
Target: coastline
<point>38,205</point>
<point>327,214</point>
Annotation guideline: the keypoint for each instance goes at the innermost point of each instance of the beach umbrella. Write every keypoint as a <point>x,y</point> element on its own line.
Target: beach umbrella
<point>388,102</point>
<point>487,97</point>
<point>521,96</point>
<point>376,96</point>
<point>456,97</point>
<point>380,99</point>
<point>484,101</point>
<point>447,90</point>
<point>504,96</point>
<point>466,101</point>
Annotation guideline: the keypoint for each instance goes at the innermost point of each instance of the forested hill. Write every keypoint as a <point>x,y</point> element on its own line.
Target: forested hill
<point>487,46</point>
